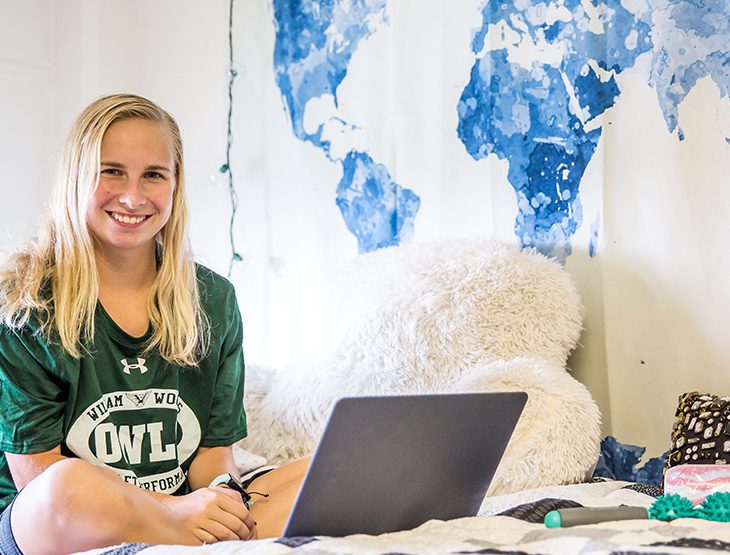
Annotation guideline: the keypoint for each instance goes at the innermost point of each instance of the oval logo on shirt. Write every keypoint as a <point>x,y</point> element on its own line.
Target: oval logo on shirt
<point>130,431</point>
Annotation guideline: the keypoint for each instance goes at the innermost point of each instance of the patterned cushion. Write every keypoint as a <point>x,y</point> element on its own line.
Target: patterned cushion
<point>701,431</point>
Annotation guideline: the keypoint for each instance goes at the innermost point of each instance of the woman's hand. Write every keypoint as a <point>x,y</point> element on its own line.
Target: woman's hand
<point>214,514</point>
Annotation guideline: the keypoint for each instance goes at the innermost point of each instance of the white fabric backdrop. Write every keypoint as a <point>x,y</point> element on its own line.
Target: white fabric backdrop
<point>655,290</point>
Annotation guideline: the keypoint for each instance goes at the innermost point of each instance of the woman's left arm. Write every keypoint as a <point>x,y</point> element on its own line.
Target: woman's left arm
<point>209,463</point>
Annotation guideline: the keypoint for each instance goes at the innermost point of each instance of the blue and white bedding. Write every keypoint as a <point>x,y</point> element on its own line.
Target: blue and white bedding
<point>507,524</point>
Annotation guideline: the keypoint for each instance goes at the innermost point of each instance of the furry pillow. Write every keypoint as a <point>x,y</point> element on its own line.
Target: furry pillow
<point>557,438</point>
<point>471,315</point>
<point>450,302</point>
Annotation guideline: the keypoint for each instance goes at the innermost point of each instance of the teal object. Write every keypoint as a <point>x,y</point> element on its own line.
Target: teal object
<point>716,506</point>
<point>553,520</point>
<point>670,507</point>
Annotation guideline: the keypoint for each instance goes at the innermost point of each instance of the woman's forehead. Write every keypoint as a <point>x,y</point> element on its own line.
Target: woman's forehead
<point>138,138</point>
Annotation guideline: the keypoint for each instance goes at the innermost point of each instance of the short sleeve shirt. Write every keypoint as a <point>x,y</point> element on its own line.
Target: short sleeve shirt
<point>120,407</point>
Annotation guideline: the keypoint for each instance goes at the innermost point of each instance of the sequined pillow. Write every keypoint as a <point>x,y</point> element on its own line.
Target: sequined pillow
<point>701,431</point>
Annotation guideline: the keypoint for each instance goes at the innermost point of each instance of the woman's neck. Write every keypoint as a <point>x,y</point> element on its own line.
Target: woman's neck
<point>124,287</point>
<point>125,275</point>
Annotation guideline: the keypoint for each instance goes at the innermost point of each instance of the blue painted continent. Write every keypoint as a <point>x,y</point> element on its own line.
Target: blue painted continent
<point>315,41</point>
<point>691,41</point>
<point>540,116</point>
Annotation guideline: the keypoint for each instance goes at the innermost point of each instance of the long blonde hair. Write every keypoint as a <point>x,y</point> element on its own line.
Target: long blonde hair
<point>54,276</point>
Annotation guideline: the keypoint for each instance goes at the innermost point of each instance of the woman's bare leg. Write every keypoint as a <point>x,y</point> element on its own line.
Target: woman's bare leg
<point>75,506</point>
<point>282,484</point>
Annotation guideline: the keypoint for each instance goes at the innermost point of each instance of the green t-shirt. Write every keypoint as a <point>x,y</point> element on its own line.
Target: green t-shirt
<point>131,411</point>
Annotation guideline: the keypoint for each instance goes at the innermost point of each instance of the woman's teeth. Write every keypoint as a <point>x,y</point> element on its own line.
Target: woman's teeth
<point>127,219</point>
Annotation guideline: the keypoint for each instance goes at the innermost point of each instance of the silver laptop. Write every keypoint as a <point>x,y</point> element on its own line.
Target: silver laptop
<point>391,463</point>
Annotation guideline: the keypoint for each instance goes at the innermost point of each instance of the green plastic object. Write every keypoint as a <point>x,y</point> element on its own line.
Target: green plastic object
<point>716,506</point>
<point>553,520</point>
<point>670,507</point>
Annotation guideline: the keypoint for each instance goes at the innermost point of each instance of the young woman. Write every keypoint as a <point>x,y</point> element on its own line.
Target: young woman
<point>121,364</point>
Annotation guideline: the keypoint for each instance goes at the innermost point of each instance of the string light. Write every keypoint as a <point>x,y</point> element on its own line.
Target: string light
<point>226,168</point>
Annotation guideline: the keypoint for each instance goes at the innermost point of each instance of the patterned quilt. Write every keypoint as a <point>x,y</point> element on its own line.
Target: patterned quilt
<point>508,524</point>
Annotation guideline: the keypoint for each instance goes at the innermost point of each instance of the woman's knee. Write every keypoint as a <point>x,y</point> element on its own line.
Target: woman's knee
<point>72,488</point>
<point>292,472</point>
<point>72,482</point>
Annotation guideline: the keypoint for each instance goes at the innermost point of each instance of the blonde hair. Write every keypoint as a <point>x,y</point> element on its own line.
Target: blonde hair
<point>54,276</point>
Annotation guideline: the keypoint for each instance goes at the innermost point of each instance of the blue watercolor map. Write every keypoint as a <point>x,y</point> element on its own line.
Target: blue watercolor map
<point>543,74</point>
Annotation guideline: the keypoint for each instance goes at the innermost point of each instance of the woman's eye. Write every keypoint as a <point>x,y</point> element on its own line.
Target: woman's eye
<point>154,175</point>
<point>111,171</point>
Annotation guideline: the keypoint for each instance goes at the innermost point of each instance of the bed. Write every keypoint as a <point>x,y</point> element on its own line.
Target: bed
<point>506,524</point>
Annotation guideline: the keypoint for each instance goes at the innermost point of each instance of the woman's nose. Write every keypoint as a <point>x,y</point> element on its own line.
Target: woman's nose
<point>133,195</point>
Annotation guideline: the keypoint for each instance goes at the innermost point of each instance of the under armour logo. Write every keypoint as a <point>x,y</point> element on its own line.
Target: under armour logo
<point>139,366</point>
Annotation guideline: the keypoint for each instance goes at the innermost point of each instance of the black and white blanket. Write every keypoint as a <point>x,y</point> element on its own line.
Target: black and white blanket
<point>507,524</point>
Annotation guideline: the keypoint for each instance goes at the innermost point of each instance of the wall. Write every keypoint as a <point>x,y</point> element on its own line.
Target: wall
<point>27,38</point>
<point>654,207</point>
